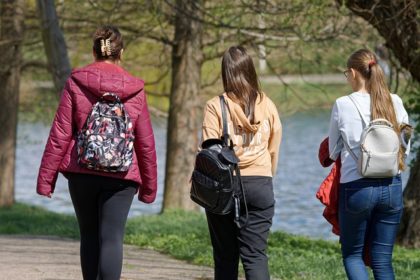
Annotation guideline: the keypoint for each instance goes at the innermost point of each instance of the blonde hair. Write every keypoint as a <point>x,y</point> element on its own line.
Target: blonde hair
<point>381,106</point>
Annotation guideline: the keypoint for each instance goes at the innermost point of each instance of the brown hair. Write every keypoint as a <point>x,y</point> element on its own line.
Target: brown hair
<point>111,34</point>
<point>365,62</point>
<point>240,80</point>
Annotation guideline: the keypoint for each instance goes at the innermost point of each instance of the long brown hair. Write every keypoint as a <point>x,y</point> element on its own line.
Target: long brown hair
<point>113,35</point>
<point>381,106</point>
<point>240,80</point>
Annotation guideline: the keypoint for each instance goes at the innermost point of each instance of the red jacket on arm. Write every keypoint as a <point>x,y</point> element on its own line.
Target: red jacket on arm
<point>144,145</point>
<point>328,190</point>
<point>57,145</point>
<point>83,89</point>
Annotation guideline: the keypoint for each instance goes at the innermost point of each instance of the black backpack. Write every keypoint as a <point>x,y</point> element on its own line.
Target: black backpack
<point>216,179</point>
<point>105,142</point>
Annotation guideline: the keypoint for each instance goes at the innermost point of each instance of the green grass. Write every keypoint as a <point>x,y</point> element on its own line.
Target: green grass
<point>35,103</point>
<point>32,220</point>
<point>177,233</point>
<point>184,235</point>
<point>302,97</point>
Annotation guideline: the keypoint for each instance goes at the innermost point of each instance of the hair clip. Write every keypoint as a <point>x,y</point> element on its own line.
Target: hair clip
<point>108,47</point>
<point>103,47</point>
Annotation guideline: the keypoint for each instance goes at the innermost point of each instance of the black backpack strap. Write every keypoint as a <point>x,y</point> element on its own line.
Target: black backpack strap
<point>225,135</point>
<point>237,202</point>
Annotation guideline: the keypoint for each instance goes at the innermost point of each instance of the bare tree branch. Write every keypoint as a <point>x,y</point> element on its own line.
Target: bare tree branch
<point>34,64</point>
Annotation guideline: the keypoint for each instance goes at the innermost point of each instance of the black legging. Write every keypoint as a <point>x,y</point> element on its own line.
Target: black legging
<point>101,205</point>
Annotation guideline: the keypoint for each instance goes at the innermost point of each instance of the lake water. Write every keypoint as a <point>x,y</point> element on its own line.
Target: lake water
<point>295,184</point>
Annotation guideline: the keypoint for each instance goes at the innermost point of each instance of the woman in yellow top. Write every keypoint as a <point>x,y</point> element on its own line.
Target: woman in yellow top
<point>255,129</point>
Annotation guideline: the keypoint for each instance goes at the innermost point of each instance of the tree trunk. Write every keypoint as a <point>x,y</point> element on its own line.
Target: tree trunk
<point>11,35</point>
<point>409,234</point>
<point>183,120</point>
<point>54,44</point>
<point>396,21</point>
<point>262,54</point>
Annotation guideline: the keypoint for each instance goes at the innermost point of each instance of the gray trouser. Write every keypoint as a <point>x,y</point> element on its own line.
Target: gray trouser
<point>249,243</point>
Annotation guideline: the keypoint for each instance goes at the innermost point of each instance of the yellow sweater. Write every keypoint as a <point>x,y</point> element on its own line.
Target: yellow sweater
<point>256,145</point>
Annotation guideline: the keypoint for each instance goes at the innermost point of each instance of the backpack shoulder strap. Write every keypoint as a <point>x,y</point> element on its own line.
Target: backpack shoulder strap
<point>365,122</point>
<point>236,199</point>
<point>237,203</point>
<point>225,134</point>
<point>353,155</point>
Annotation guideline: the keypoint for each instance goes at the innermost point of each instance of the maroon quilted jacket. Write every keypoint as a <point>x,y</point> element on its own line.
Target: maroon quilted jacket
<point>82,90</point>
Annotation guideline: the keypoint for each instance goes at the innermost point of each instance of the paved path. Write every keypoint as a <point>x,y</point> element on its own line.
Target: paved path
<point>51,258</point>
<point>302,79</point>
<point>332,78</point>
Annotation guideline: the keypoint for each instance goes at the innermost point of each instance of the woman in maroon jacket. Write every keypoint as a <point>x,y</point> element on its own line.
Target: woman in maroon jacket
<point>101,200</point>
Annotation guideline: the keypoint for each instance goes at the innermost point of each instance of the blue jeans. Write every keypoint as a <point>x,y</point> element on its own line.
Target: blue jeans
<point>369,214</point>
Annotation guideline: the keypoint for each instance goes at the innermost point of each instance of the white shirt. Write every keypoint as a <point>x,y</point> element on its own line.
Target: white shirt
<point>347,124</point>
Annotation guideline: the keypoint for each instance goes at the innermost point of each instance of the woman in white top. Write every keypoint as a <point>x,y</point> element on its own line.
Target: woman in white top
<point>369,208</point>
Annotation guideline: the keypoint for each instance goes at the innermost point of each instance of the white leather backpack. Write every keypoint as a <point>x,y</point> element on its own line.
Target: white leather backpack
<point>379,148</point>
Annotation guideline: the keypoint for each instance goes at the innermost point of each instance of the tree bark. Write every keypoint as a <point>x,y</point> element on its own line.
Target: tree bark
<point>11,36</point>
<point>183,120</point>
<point>409,234</point>
<point>396,21</point>
<point>54,44</point>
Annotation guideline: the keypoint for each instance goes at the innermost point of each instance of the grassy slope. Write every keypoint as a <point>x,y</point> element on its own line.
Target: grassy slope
<point>184,236</point>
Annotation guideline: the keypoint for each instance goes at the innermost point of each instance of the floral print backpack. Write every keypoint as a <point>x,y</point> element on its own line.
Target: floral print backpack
<point>105,142</point>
